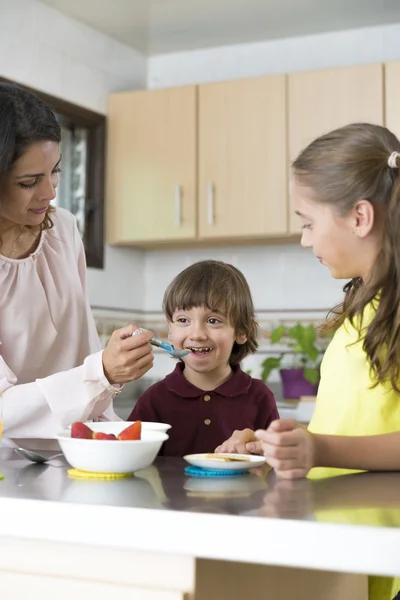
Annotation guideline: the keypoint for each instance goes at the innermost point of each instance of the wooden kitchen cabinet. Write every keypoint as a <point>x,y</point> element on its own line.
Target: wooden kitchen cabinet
<point>319,101</point>
<point>21,586</point>
<point>151,166</point>
<point>83,571</point>
<point>65,570</point>
<point>242,161</point>
<point>209,163</point>
<point>392,92</point>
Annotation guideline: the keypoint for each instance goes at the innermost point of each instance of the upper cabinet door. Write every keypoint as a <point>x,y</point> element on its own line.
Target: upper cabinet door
<point>320,101</point>
<point>151,160</point>
<point>242,159</point>
<point>392,95</point>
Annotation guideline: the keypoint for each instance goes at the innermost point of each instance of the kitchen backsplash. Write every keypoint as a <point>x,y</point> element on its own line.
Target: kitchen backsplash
<point>287,283</point>
<point>108,320</point>
<point>282,277</point>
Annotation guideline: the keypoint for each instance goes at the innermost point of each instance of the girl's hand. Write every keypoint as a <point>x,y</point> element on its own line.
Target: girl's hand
<point>127,357</point>
<point>288,447</point>
<point>236,444</point>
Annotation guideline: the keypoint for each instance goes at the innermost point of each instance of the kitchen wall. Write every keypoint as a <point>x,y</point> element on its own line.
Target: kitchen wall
<point>281,277</point>
<point>53,53</point>
<point>42,48</point>
<point>287,283</point>
<point>335,49</point>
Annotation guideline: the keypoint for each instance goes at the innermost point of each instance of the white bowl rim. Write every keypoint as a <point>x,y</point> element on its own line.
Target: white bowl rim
<point>161,436</point>
<point>90,423</point>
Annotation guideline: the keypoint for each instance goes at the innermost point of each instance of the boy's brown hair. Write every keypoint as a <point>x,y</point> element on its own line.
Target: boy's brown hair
<point>221,287</point>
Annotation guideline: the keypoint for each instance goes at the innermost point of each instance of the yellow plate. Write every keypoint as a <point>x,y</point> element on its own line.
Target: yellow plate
<point>77,474</point>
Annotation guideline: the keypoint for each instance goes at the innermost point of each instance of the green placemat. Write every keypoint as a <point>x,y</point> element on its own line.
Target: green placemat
<point>1,476</point>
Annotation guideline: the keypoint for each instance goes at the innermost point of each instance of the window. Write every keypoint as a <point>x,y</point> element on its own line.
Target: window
<point>71,191</point>
<point>81,187</point>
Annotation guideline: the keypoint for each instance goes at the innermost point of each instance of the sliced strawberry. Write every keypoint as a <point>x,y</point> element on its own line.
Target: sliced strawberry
<point>99,435</point>
<point>80,430</point>
<point>133,432</point>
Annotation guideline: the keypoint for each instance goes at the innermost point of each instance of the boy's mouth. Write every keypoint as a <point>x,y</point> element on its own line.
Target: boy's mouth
<point>195,350</point>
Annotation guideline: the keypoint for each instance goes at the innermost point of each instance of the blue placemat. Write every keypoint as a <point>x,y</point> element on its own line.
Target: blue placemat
<point>199,472</point>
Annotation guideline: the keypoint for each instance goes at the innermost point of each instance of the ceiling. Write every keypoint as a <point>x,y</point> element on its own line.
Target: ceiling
<point>164,26</point>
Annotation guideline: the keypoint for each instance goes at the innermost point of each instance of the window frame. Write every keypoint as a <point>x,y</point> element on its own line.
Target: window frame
<point>95,123</point>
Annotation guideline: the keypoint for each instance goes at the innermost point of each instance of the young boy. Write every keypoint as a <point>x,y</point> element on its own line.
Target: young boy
<point>209,311</point>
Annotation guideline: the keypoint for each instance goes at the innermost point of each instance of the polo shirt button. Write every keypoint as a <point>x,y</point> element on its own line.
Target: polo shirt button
<point>207,421</point>
<point>207,398</point>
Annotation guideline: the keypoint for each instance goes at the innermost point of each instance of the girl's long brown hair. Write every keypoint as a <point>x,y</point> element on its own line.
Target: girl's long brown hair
<point>341,168</point>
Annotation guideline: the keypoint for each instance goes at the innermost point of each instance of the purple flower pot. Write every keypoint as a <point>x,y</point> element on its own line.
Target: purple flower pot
<point>295,385</point>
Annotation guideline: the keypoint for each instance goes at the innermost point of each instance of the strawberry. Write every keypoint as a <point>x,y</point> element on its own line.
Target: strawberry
<point>80,430</point>
<point>99,435</point>
<point>133,432</point>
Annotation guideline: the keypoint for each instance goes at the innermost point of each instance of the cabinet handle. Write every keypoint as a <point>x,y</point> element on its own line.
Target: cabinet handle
<point>210,203</point>
<point>178,212</point>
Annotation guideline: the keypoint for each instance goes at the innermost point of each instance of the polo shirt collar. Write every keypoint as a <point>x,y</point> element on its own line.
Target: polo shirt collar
<point>237,385</point>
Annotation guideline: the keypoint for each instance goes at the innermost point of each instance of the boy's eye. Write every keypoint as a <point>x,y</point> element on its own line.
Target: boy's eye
<point>213,321</point>
<point>181,320</point>
<point>306,226</point>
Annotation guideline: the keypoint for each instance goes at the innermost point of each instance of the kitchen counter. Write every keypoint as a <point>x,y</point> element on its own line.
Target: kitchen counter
<point>317,529</point>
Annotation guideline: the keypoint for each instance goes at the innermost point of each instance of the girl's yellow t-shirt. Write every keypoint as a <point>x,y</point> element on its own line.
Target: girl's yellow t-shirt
<point>348,405</point>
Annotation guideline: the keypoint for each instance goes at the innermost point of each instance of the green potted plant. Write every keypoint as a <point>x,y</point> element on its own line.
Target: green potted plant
<point>302,378</point>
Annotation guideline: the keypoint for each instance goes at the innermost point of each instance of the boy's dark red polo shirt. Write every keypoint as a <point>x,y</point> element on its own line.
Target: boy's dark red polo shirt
<point>202,420</point>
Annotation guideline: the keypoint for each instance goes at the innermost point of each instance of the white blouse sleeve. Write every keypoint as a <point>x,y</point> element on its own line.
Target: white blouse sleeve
<point>39,409</point>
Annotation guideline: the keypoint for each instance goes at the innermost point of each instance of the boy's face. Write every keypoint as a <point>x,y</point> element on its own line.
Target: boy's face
<point>208,334</point>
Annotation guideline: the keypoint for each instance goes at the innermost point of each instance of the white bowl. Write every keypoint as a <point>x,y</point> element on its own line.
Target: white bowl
<point>116,427</point>
<point>110,456</point>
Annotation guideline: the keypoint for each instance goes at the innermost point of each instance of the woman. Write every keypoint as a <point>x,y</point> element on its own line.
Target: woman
<point>52,369</point>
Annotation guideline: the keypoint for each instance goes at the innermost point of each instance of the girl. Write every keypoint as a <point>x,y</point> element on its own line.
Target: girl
<point>346,189</point>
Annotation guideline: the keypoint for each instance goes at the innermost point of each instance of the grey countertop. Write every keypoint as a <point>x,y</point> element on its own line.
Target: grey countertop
<point>333,522</point>
<point>359,499</point>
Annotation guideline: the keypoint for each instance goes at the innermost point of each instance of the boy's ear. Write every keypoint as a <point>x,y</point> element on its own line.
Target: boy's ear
<point>241,338</point>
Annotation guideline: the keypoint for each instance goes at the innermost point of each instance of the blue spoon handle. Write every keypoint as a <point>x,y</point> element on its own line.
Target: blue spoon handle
<point>161,344</point>
<point>168,347</point>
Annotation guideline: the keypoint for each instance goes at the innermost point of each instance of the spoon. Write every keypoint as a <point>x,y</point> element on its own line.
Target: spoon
<point>169,348</point>
<point>165,346</point>
<point>35,457</point>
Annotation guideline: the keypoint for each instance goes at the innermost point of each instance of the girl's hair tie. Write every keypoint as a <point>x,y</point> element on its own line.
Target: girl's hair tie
<point>392,160</point>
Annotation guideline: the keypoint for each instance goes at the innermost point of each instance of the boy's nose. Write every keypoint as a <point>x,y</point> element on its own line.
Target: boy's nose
<point>198,332</point>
